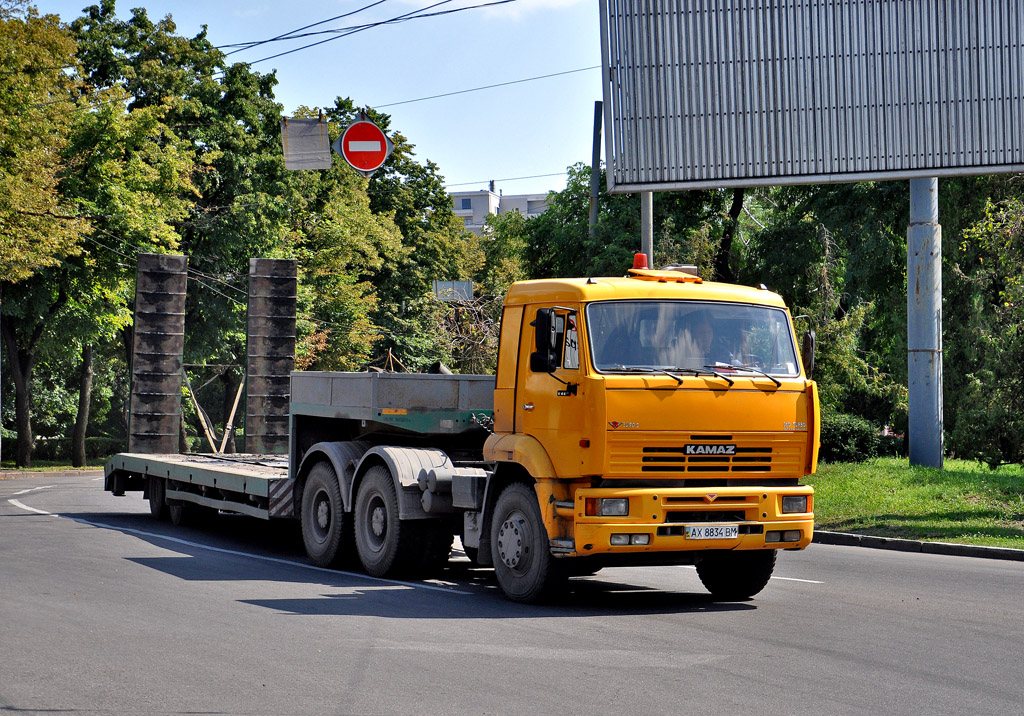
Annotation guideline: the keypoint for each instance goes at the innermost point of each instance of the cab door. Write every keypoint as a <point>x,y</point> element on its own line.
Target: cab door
<point>549,404</point>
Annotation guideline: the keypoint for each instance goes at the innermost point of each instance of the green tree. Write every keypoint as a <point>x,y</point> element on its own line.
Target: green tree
<point>435,246</point>
<point>689,226</point>
<point>504,243</point>
<point>990,422</point>
<point>37,227</point>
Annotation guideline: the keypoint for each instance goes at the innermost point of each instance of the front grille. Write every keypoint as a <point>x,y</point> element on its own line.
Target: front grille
<point>675,459</point>
<point>724,458</point>
<point>706,516</point>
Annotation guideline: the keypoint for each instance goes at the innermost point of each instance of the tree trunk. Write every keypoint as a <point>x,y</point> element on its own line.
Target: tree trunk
<point>21,363</point>
<point>82,419</point>
<point>23,356</point>
<point>722,270</point>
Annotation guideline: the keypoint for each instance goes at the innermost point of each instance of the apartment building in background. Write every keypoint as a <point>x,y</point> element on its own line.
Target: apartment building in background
<point>474,206</point>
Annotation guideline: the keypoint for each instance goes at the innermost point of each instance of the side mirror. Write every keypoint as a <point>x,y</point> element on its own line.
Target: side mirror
<point>807,345</point>
<point>545,325</point>
<point>544,359</point>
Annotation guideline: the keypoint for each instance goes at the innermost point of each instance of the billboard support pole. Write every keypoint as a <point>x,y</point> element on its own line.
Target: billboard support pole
<point>924,324</point>
<point>647,225</point>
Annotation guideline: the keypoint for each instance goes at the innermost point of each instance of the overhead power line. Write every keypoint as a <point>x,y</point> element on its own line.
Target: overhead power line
<point>477,89</point>
<point>411,15</point>
<point>535,176</point>
<point>292,34</point>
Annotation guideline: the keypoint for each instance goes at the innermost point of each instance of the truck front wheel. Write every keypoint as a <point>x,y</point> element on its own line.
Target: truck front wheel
<point>734,576</point>
<point>323,518</point>
<point>519,545</point>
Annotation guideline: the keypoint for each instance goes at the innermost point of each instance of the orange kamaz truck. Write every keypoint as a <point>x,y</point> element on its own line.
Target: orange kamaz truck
<point>649,419</point>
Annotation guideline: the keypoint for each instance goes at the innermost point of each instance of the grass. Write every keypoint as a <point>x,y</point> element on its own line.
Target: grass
<point>51,466</point>
<point>965,503</point>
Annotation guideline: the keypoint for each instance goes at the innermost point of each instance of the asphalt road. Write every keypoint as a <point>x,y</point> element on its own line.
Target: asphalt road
<point>105,611</point>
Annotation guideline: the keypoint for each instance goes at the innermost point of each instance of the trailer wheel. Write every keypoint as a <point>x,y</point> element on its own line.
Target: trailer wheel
<point>436,547</point>
<point>323,518</point>
<point>386,545</point>
<point>181,513</point>
<point>519,546</point>
<point>158,497</point>
<point>734,576</point>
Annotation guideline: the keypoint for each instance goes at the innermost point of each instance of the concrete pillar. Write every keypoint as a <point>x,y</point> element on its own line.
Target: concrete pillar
<point>154,418</point>
<point>270,348</point>
<point>924,324</point>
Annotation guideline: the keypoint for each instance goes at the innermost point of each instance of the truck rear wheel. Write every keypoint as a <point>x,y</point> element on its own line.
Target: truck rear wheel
<point>157,497</point>
<point>384,542</point>
<point>734,576</point>
<point>323,518</point>
<point>519,546</point>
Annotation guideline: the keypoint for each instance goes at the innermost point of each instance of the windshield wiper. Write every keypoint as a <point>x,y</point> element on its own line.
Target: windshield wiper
<point>647,369</point>
<point>730,366</point>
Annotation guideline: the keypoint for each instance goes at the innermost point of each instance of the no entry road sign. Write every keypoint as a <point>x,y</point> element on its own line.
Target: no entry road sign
<point>365,146</point>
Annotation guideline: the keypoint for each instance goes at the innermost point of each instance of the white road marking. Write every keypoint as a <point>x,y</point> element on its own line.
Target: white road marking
<point>33,489</point>
<point>18,503</point>
<point>250,555</point>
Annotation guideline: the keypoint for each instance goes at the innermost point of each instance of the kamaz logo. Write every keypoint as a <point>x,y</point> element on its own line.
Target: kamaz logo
<point>710,450</point>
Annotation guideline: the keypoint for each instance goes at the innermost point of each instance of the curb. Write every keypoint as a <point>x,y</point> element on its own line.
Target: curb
<point>847,539</point>
<point>7,474</point>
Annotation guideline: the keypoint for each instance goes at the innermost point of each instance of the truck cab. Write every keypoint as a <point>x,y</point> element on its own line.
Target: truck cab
<point>658,419</point>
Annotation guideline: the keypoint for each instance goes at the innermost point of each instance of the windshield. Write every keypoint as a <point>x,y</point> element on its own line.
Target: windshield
<point>690,336</point>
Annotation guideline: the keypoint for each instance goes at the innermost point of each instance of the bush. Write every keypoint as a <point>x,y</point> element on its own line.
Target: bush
<point>848,438</point>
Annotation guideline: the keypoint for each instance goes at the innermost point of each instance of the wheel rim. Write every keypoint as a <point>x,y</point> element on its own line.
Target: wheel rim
<point>322,515</point>
<point>514,539</point>
<point>377,523</point>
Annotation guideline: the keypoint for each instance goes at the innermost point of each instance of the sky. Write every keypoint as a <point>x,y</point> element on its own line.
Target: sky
<point>526,129</point>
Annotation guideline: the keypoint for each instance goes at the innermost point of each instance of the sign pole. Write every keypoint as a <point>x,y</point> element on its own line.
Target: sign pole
<point>924,324</point>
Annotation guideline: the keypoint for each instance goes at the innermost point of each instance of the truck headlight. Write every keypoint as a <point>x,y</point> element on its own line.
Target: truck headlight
<point>613,507</point>
<point>794,503</point>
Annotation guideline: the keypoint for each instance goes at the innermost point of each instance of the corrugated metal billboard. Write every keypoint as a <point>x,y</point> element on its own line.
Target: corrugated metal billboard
<point>711,93</point>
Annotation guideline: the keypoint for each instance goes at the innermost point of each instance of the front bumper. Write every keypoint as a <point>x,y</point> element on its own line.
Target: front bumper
<point>664,514</point>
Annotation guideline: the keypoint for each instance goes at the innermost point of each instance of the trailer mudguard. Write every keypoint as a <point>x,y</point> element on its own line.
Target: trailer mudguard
<point>343,456</point>
<point>405,465</point>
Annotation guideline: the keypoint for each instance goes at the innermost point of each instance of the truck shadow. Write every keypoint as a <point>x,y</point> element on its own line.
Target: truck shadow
<point>242,549</point>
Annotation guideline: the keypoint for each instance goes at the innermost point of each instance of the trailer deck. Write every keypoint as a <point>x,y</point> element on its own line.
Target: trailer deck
<point>243,483</point>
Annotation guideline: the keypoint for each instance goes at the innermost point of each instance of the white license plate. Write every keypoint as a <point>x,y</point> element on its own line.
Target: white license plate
<point>712,531</point>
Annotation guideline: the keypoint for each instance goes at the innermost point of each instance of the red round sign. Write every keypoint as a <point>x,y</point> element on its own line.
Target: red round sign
<point>365,146</point>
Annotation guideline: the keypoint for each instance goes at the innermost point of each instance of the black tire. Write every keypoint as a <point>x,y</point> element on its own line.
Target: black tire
<point>157,488</point>
<point>735,576</point>
<point>432,549</point>
<point>519,546</point>
<point>324,522</point>
<point>386,545</point>
<point>181,513</point>
<point>472,553</point>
